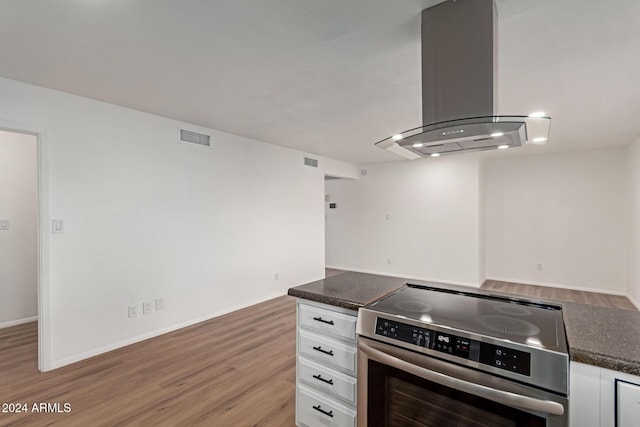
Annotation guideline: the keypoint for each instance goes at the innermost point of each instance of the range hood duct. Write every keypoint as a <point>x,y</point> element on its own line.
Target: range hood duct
<point>459,87</point>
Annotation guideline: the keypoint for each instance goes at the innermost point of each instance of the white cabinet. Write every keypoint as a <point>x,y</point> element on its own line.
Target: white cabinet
<point>315,409</point>
<point>327,380</point>
<point>584,395</point>
<point>601,397</point>
<point>627,404</point>
<point>327,351</point>
<point>328,322</point>
<point>325,366</point>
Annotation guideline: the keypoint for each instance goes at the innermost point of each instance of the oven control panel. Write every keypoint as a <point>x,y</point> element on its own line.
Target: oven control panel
<point>506,358</point>
<point>402,332</point>
<point>451,344</point>
<point>488,354</point>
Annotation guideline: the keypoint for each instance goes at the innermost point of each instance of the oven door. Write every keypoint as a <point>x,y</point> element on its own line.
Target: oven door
<point>397,387</point>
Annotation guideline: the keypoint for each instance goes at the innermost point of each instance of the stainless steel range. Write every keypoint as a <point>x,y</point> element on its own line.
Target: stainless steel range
<point>434,357</point>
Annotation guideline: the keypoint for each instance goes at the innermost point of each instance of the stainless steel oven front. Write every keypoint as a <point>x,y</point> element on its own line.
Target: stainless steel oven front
<point>436,357</point>
<point>398,387</point>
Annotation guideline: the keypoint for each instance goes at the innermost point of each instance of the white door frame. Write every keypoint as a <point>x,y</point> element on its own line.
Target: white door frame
<point>44,297</point>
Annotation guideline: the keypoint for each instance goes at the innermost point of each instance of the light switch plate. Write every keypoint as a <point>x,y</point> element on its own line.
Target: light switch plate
<point>57,226</point>
<point>4,224</point>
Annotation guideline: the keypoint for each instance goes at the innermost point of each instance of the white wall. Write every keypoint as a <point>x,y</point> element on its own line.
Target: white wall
<point>565,211</point>
<point>433,231</point>
<point>146,217</point>
<point>633,263</point>
<point>18,244</point>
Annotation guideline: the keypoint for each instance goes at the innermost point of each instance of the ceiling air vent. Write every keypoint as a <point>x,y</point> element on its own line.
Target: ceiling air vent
<point>311,162</point>
<point>194,137</point>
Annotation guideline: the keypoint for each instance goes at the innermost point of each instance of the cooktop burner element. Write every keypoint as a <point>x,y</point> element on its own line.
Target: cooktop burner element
<point>414,306</point>
<point>505,325</point>
<point>512,309</point>
<point>502,318</point>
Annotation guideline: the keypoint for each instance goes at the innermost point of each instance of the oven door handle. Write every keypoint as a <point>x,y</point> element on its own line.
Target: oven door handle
<point>503,397</point>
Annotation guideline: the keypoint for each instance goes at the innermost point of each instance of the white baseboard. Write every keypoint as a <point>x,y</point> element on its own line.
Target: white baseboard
<point>18,322</point>
<point>110,347</point>
<point>561,286</point>
<point>405,276</point>
<point>633,301</point>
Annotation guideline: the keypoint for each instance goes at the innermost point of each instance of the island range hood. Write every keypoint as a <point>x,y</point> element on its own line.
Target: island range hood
<point>459,57</point>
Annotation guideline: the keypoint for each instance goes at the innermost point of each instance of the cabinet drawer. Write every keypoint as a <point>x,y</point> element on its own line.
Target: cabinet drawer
<point>628,404</point>
<point>327,380</point>
<point>329,352</point>
<point>313,410</point>
<point>328,322</point>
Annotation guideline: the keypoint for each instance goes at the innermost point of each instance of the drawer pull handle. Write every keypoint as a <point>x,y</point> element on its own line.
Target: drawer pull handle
<point>319,409</point>
<point>320,319</point>
<point>319,378</point>
<point>319,348</point>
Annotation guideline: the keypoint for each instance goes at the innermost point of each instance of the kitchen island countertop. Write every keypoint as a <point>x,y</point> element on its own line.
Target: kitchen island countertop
<point>598,336</point>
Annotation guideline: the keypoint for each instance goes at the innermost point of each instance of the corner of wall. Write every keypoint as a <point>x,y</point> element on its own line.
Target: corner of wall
<point>482,245</point>
<point>633,243</point>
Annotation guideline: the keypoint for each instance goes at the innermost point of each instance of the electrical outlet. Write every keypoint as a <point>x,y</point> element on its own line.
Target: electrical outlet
<point>133,311</point>
<point>159,304</point>
<point>147,307</point>
<point>389,261</point>
<point>277,276</point>
<point>4,224</point>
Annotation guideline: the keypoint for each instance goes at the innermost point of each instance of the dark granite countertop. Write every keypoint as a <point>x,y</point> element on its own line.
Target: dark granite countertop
<point>605,337</point>
<point>349,289</point>
<point>598,336</point>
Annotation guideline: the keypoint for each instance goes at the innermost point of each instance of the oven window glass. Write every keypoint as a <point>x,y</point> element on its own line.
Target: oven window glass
<point>397,398</point>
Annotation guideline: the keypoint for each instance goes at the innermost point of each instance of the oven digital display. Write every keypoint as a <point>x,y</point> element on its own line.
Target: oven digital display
<point>452,344</point>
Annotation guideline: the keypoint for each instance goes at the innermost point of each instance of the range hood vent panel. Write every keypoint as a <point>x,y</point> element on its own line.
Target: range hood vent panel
<point>459,55</point>
<point>459,58</point>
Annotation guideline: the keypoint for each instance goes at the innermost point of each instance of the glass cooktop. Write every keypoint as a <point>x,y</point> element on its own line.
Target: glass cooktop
<point>528,323</point>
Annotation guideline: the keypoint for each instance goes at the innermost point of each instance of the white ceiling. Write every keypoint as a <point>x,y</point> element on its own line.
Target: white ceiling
<point>329,77</point>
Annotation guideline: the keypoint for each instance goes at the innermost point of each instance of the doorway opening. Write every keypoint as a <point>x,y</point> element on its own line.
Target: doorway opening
<point>19,248</point>
<point>331,201</point>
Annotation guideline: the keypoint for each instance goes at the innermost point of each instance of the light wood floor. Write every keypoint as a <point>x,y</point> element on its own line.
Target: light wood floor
<point>235,370</point>
<point>558,294</point>
<point>328,272</point>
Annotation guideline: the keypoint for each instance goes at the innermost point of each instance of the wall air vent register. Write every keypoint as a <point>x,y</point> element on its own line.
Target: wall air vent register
<point>192,137</point>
